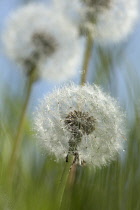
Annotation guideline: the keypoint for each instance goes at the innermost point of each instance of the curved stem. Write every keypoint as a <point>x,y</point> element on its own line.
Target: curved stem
<point>18,138</point>
<point>87,56</point>
<point>63,181</point>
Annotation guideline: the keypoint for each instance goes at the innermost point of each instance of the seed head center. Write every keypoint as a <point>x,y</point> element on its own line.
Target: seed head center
<point>44,43</point>
<point>44,46</point>
<point>80,123</point>
<point>97,3</point>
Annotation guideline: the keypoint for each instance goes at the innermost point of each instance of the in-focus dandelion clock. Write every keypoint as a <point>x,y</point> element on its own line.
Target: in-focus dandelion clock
<point>82,121</point>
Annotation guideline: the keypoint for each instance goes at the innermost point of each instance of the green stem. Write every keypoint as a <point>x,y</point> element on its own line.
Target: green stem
<point>87,56</point>
<point>18,138</point>
<point>63,182</point>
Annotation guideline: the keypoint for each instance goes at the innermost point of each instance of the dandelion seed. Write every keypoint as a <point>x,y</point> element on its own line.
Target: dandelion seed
<point>87,123</point>
<point>36,37</point>
<point>107,20</point>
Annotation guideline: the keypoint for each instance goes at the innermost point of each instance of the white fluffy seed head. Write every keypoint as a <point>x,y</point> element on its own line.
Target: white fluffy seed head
<point>107,20</point>
<point>36,36</point>
<point>81,120</point>
<point>117,22</point>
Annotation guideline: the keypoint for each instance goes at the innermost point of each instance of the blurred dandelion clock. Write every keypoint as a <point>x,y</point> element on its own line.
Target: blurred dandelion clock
<point>82,121</point>
<point>116,21</point>
<point>36,37</point>
<point>107,20</point>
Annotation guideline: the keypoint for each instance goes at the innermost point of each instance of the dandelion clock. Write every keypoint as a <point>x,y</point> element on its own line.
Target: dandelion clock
<point>40,39</point>
<point>82,121</point>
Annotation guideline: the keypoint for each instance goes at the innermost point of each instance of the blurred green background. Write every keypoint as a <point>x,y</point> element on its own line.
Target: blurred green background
<point>115,187</point>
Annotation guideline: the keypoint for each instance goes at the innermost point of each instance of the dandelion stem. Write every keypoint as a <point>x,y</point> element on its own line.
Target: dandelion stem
<point>63,181</point>
<point>87,56</point>
<point>18,138</point>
